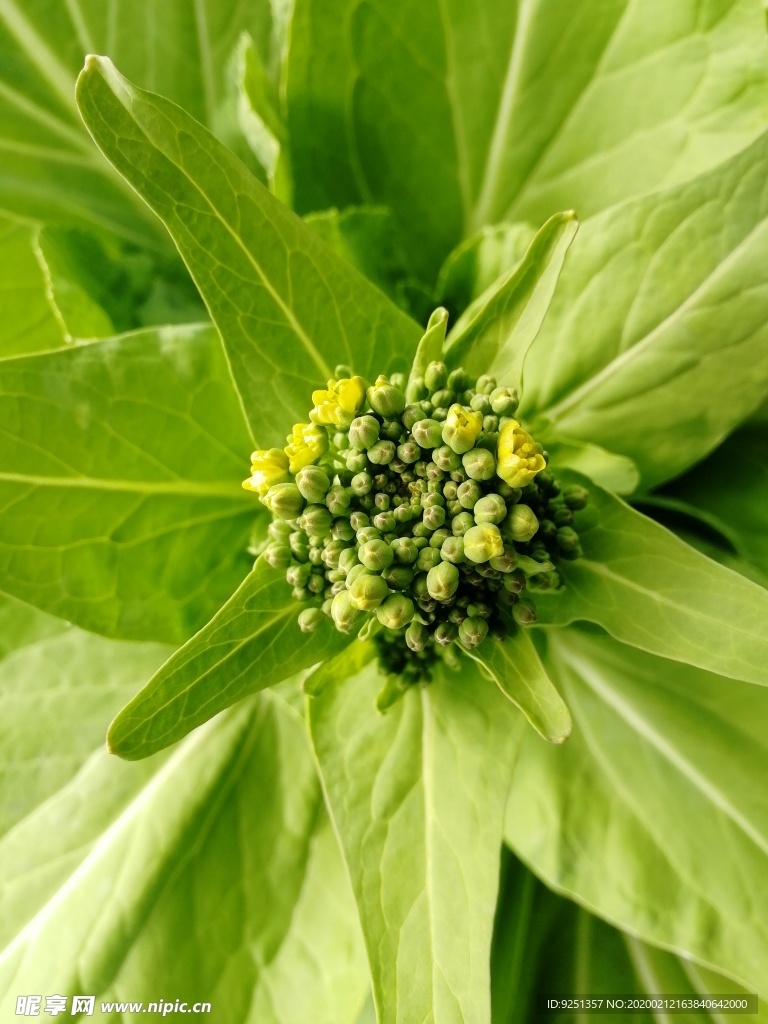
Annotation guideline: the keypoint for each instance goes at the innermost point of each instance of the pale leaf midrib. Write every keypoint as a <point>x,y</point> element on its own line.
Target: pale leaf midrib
<point>190,488</point>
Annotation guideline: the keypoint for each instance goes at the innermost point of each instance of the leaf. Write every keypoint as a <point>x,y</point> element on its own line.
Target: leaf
<point>287,308</point>
<point>740,510</point>
<point>614,472</point>
<point>58,686</point>
<point>459,115</point>
<point>430,347</point>
<point>479,261</point>
<point>662,305</point>
<point>251,643</point>
<point>545,947</point>
<point>121,507</point>
<point>69,274</point>
<point>650,815</point>
<point>27,321</point>
<point>496,332</point>
<point>136,866</point>
<point>649,589</point>
<point>49,169</point>
<point>516,668</point>
<point>416,796</point>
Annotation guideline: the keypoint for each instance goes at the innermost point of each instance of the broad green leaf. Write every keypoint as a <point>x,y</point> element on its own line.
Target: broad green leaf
<point>135,867</point>
<point>479,261</point>
<point>497,330</point>
<point>416,796</point>
<point>614,472</point>
<point>287,307</point>
<point>59,686</point>
<point>80,315</point>
<point>459,115</point>
<point>49,169</point>
<point>258,111</point>
<point>648,588</point>
<point>121,506</point>
<point>650,814</point>
<point>516,668</point>
<point>739,507</point>
<point>28,322</point>
<point>662,305</point>
<point>251,643</point>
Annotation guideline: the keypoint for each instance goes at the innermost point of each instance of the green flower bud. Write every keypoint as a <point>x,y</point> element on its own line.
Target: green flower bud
<point>385,399</point>
<point>392,430</point>
<point>342,530</point>
<point>490,509</point>
<point>469,493</point>
<point>313,483</point>
<point>520,524</point>
<point>332,552</point>
<point>310,619</point>
<point>316,519</point>
<point>461,428</point>
<point>461,523</point>
<point>434,517</point>
<point>367,592</point>
<point>396,612</point>
<point>344,613</point>
<point>297,575</point>
<point>382,453</point>
<point>436,376</point>
<point>398,577</point>
<point>524,612</point>
<point>438,537</point>
<point>358,520</point>
<point>405,550</point>
<point>357,570</point>
<point>427,559</point>
<point>385,521</point>
<point>279,530</point>
<point>376,555</point>
<point>485,384</point>
<point>417,636</point>
<point>483,542</point>
<point>284,501</point>
<point>567,539</point>
<point>452,550</point>
<point>299,543</point>
<point>440,413</point>
<point>459,380</point>
<point>543,581</point>
<point>479,464</point>
<point>361,483</point>
<point>445,633</point>
<point>347,560</point>
<point>575,497</point>
<point>505,562</point>
<point>510,494</point>
<point>443,398</point>
<point>504,401</point>
<point>442,581</point>
<point>427,433</point>
<point>446,459</point>
<point>364,432</point>
<point>514,582</point>
<point>412,414</point>
<point>337,499</point>
<point>367,533</point>
<point>409,452</point>
<point>356,460</point>
<point>277,555</point>
<point>316,583</point>
<point>472,631</point>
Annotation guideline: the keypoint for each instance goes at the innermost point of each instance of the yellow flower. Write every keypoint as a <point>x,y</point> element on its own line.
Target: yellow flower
<point>267,468</point>
<point>462,428</point>
<point>306,443</point>
<point>519,457</point>
<point>339,405</point>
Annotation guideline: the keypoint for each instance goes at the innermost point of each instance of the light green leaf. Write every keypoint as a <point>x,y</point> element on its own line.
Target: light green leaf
<point>479,261</point>
<point>416,796</point>
<point>59,686</point>
<point>737,506</point>
<point>287,308</point>
<point>430,347</point>
<point>497,330</point>
<point>545,946</point>
<point>28,322</point>
<point>459,115</point>
<point>257,110</point>
<point>121,506</point>
<point>650,814</point>
<point>49,169</point>
<point>661,307</point>
<point>649,589</point>
<point>125,909</point>
<point>517,669</point>
<point>251,643</point>
<point>79,314</point>
<point>614,472</point>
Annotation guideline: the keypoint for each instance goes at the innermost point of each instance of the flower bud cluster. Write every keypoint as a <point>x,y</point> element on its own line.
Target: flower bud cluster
<point>422,515</point>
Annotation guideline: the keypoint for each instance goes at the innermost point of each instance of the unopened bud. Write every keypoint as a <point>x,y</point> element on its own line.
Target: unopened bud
<point>575,497</point>
<point>364,432</point>
<point>367,592</point>
<point>385,399</point>
<point>436,376</point>
<point>504,401</point>
<point>310,619</point>
<point>520,524</point>
<point>316,520</point>
<point>446,633</point>
<point>481,543</point>
<point>344,613</point>
<point>337,499</point>
<point>479,464</point>
<point>524,612</point>
<point>396,612</point>
<point>490,509</point>
<point>313,483</point>
<point>404,549</point>
<point>427,433</point>
<point>376,555</point>
<point>284,501</point>
<point>461,428</point>
<point>452,550</point>
<point>277,555</point>
<point>472,631</point>
<point>519,457</point>
<point>382,453</point>
<point>461,523</point>
<point>417,636</point>
<point>442,581</point>
<point>398,577</point>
